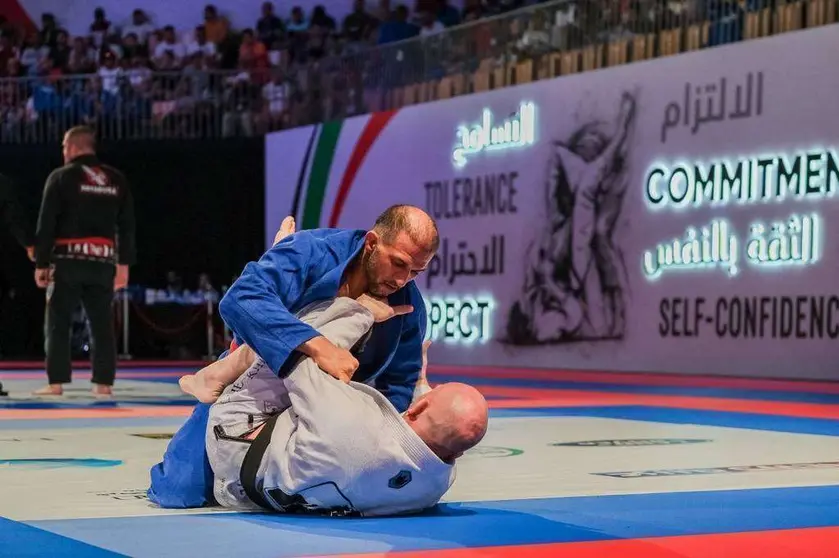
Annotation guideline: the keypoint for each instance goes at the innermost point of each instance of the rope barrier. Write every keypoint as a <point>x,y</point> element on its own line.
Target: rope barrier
<point>200,312</point>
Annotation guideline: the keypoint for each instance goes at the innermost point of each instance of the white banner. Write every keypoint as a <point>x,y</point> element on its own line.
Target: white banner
<point>669,216</point>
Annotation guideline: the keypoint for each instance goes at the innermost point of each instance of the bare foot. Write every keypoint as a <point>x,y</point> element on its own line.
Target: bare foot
<point>201,386</point>
<point>287,227</point>
<point>102,391</point>
<point>52,389</point>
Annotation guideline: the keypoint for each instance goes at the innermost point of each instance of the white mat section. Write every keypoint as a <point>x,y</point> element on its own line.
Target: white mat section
<point>516,460</point>
<point>134,391</point>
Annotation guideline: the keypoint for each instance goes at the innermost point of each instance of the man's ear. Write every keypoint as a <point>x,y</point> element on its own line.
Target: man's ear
<point>416,409</point>
<point>372,239</point>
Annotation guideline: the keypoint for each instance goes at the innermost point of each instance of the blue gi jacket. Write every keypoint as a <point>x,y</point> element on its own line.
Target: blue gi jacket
<point>304,268</point>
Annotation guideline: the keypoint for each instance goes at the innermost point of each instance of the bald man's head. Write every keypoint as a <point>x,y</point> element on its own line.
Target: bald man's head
<point>451,419</point>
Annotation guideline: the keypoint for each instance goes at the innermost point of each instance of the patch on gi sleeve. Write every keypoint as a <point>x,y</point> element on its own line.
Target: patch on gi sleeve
<point>401,479</point>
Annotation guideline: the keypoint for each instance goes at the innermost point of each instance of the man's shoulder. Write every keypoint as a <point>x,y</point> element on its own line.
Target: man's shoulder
<point>59,174</point>
<point>335,235</point>
<point>341,242</point>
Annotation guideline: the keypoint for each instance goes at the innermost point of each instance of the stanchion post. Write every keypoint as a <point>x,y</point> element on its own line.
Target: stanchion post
<point>126,355</point>
<point>210,331</point>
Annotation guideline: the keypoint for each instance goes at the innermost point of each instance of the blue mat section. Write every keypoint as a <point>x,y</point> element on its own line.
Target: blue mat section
<point>725,393</point>
<point>20,540</point>
<point>751,421</point>
<point>95,404</point>
<point>469,525</point>
<point>168,424</point>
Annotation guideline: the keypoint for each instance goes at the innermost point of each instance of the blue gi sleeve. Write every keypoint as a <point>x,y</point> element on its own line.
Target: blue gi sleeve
<point>399,379</point>
<point>256,307</point>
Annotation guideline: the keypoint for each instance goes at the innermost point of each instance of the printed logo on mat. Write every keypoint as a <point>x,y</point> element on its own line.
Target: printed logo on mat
<point>492,452</point>
<point>155,436</point>
<point>718,470</point>
<point>632,442</point>
<point>127,494</point>
<point>59,463</point>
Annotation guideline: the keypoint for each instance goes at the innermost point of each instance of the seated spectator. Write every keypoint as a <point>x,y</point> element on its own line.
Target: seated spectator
<point>110,46</point>
<point>13,68</point>
<point>169,45</point>
<point>297,23</point>
<point>269,28</point>
<point>7,53</point>
<point>140,27</point>
<point>196,70</point>
<point>33,52</point>
<point>447,14</point>
<point>201,45</point>
<point>322,19</point>
<point>132,47</point>
<point>429,25</point>
<point>60,53</point>
<point>276,95</point>
<point>297,27</point>
<point>472,10</point>
<point>251,50</point>
<point>49,30</point>
<point>397,28</point>
<point>100,28</point>
<point>239,103</point>
<point>82,58</point>
<point>110,74</point>
<point>383,12</point>
<point>536,39</point>
<point>321,27</point>
<point>139,73</point>
<point>358,25</point>
<point>215,26</point>
<point>167,62</point>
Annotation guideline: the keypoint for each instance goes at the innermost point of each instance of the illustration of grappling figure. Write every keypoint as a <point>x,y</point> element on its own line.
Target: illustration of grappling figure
<point>563,298</point>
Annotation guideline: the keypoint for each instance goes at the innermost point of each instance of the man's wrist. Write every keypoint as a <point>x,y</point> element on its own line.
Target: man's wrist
<point>314,346</point>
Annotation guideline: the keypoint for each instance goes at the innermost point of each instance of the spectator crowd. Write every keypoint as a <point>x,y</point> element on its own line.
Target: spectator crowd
<point>125,77</point>
<point>150,79</point>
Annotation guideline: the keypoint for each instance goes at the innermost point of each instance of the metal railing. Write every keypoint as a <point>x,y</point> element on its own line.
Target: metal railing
<point>540,42</point>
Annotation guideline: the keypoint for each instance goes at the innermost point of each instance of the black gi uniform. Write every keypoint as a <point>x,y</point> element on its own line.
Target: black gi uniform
<point>85,228</point>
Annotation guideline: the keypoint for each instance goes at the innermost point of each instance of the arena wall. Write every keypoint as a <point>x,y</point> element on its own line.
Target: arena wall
<point>667,216</point>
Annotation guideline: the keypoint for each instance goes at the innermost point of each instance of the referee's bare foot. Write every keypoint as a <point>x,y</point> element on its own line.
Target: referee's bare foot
<point>287,227</point>
<point>102,391</point>
<point>52,389</point>
<point>202,386</point>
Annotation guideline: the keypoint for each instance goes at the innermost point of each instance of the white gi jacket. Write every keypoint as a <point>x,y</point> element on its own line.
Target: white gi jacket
<point>338,448</point>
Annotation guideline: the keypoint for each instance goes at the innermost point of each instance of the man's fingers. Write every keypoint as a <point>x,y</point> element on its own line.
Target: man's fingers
<point>426,344</point>
<point>402,309</point>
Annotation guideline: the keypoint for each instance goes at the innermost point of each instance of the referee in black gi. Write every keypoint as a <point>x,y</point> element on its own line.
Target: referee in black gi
<point>84,245</point>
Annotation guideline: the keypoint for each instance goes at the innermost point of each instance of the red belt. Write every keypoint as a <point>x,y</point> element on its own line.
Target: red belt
<point>92,247</point>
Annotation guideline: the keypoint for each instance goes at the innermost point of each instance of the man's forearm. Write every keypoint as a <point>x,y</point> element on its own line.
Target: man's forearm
<point>315,346</point>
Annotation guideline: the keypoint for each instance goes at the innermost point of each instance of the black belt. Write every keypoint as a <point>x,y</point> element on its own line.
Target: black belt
<point>253,458</point>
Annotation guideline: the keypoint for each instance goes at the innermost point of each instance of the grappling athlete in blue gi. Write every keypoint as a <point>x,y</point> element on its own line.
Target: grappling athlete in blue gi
<point>303,268</point>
